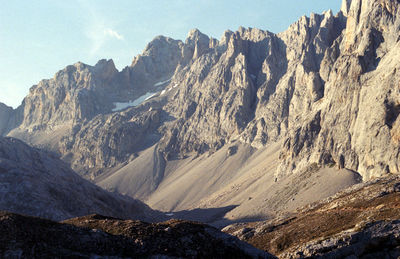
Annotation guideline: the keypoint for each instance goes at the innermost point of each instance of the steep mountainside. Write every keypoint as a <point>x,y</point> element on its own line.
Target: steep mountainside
<point>355,125</point>
<point>5,114</point>
<point>322,94</point>
<point>37,183</point>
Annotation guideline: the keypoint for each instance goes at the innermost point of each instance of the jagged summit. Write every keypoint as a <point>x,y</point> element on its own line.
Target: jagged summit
<point>105,65</point>
<point>195,33</point>
<point>345,7</point>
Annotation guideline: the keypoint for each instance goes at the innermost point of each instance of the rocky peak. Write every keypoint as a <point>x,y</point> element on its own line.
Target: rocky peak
<point>157,63</point>
<point>196,44</point>
<point>106,68</point>
<point>195,35</point>
<point>345,7</point>
<point>154,47</point>
<point>369,22</point>
<point>225,37</point>
<point>309,37</point>
<point>253,34</point>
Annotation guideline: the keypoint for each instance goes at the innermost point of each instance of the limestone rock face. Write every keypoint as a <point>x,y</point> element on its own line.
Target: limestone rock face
<point>77,92</point>
<point>327,88</point>
<point>156,64</point>
<point>37,183</point>
<point>345,7</point>
<point>252,87</point>
<point>357,127</point>
<point>109,140</point>
<point>216,94</point>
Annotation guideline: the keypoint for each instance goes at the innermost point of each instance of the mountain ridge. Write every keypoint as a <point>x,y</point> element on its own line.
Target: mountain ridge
<point>325,91</point>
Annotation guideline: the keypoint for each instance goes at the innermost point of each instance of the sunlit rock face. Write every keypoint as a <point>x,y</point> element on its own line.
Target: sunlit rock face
<point>356,124</point>
<point>327,87</point>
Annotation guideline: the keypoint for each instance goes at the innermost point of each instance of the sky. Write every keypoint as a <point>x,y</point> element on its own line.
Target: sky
<point>40,37</point>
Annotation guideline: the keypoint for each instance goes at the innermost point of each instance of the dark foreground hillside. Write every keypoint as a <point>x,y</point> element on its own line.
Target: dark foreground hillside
<point>104,237</point>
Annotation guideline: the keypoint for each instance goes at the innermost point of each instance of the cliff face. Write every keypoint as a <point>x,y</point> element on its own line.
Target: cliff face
<point>76,93</point>
<point>327,88</point>
<point>355,125</point>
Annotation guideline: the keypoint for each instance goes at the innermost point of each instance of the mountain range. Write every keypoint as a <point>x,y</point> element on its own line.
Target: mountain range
<point>249,127</point>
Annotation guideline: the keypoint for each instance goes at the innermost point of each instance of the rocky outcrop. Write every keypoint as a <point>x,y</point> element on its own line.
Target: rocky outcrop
<point>105,237</point>
<point>110,140</point>
<point>216,94</point>
<point>376,240</point>
<point>156,64</point>
<point>360,222</point>
<point>76,93</point>
<point>37,183</point>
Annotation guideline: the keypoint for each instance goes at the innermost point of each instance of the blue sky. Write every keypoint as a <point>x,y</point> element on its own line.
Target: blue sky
<point>40,37</point>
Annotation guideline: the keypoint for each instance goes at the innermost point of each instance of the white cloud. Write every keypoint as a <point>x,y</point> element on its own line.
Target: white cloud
<point>98,28</point>
<point>113,34</point>
<point>99,34</point>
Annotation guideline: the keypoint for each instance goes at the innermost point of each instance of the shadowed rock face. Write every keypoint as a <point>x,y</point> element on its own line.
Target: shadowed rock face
<point>37,183</point>
<point>5,114</point>
<point>94,236</point>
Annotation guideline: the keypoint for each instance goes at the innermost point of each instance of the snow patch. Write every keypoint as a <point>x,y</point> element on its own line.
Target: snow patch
<point>168,89</point>
<point>169,214</point>
<point>141,99</point>
<point>151,96</point>
<point>162,82</point>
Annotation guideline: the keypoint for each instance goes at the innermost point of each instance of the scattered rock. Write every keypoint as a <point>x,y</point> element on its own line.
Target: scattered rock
<point>98,236</point>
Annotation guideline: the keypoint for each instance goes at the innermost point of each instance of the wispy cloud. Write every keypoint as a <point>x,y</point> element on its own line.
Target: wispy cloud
<point>98,28</point>
<point>114,34</point>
